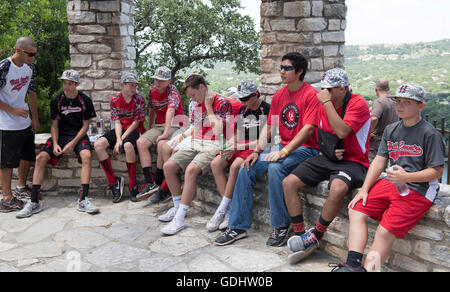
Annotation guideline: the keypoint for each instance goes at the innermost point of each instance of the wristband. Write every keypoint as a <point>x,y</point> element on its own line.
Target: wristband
<point>323,103</point>
<point>285,151</point>
<point>257,152</point>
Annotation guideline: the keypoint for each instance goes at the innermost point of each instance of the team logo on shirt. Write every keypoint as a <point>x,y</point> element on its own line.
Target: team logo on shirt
<point>290,116</point>
<point>401,149</point>
<point>19,83</point>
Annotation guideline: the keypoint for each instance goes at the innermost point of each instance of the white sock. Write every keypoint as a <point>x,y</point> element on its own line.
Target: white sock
<point>181,212</point>
<point>224,205</point>
<point>176,201</point>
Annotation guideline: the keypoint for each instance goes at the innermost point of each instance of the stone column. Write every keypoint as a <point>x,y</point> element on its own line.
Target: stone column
<point>315,29</point>
<point>101,47</point>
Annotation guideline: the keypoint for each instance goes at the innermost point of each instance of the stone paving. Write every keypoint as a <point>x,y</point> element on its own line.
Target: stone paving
<point>127,237</point>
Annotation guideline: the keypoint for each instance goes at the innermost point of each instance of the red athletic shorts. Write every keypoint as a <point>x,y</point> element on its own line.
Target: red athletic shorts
<point>243,154</point>
<point>395,213</point>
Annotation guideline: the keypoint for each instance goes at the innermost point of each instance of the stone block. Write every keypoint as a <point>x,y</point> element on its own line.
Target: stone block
<point>283,25</point>
<point>334,24</point>
<point>427,232</point>
<point>311,24</point>
<point>317,8</point>
<point>316,64</point>
<point>336,37</point>
<point>110,64</point>
<point>79,17</point>
<point>335,11</point>
<point>80,61</point>
<point>297,9</point>
<point>437,254</point>
<point>409,264</point>
<point>90,29</point>
<point>62,173</point>
<point>76,38</point>
<point>85,84</point>
<point>105,6</point>
<point>272,9</point>
<point>103,18</point>
<point>330,51</point>
<point>102,84</point>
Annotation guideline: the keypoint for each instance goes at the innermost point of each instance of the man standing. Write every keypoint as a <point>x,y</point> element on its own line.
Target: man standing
<point>293,111</point>
<point>383,114</point>
<point>16,127</point>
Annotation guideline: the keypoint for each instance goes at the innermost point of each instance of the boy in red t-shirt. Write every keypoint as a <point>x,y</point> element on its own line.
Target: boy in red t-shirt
<point>344,121</point>
<point>128,116</point>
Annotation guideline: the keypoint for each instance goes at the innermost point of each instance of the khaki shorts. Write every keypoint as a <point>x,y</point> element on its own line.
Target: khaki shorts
<point>157,130</point>
<point>199,152</point>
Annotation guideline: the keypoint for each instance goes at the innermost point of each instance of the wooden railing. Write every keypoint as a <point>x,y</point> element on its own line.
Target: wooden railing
<point>446,135</point>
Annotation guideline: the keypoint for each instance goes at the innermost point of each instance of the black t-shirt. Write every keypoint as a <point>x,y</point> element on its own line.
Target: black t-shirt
<point>250,122</point>
<point>71,113</point>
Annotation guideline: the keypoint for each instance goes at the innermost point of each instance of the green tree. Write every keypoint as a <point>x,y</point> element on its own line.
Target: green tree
<point>188,33</point>
<point>46,23</point>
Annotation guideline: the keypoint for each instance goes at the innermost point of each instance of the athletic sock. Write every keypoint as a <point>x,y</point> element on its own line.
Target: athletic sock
<point>298,224</point>
<point>159,177</point>
<point>131,174</point>
<point>35,193</point>
<point>354,259</point>
<point>321,228</point>
<point>224,204</point>
<point>181,212</point>
<point>148,175</point>
<point>106,165</point>
<point>176,201</point>
<point>84,191</point>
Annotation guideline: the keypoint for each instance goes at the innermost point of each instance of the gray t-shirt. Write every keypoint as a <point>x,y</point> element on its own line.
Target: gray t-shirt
<point>414,149</point>
<point>383,108</point>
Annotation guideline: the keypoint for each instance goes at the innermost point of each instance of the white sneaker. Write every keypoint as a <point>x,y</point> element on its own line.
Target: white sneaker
<point>29,209</point>
<point>87,206</point>
<point>224,224</point>
<point>173,227</point>
<point>215,221</point>
<point>169,215</point>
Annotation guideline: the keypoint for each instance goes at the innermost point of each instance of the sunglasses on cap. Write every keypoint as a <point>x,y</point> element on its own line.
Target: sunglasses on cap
<point>286,68</point>
<point>244,99</point>
<point>29,54</point>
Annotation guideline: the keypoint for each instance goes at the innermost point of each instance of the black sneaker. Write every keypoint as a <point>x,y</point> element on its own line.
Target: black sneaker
<point>117,189</point>
<point>146,191</point>
<point>133,193</point>
<point>161,196</point>
<point>230,236</point>
<point>345,268</point>
<point>14,205</point>
<point>279,236</point>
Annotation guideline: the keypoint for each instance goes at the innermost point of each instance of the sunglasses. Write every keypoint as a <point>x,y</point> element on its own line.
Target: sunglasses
<point>244,99</point>
<point>286,68</point>
<point>29,54</point>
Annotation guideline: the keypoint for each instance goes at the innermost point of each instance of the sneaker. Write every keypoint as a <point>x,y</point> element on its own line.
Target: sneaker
<point>14,205</point>
<point>23,193</point>
<point>173,227</point>
<point>117,189</point>
<point>169,215</point>
<point>133,194</point>
<point>230,236</point>
<point>302,246</point>
<point>146,191</point>
<point>279,236</point>
<point>161,196</point>
<point>345,268</point>
<point>224,224</point>
<point>87,206</point>
<point>215,221</point>
<point>29,209</point>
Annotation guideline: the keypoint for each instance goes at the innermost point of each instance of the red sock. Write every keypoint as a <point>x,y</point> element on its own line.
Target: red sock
<point>132,174</point>
<point>106,165</point>
<point>164,186</point>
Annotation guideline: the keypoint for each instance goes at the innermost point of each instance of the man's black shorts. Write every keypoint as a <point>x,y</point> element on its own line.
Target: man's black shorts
<point>320,168</point>
<point>83,144</point>
<point>15,146</point>
<point>131,138</point>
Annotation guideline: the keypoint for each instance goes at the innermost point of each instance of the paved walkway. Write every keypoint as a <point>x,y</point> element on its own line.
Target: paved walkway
<point>127,237</point>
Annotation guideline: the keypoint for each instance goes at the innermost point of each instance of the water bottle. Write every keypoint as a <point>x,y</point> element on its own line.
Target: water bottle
<point>224,146</point>
<point>403,189</point>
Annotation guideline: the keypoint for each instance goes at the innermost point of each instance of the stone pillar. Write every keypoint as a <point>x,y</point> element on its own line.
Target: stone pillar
<point>101,47</point>
<point>315,29</point>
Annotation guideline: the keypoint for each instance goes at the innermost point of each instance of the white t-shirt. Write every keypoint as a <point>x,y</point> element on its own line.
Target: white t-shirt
<point>15,83</point>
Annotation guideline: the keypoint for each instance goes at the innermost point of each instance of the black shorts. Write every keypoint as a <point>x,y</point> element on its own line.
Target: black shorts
<point>83,144</point>
<point>320,168</point>
<point>131,138</point>
<point>15,146</point>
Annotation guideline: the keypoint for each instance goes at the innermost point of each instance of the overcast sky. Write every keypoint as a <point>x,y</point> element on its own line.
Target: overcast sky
<point>387,21</point>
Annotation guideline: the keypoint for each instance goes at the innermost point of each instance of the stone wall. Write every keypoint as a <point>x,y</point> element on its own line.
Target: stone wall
<point>315,29</point>
<point>101,46</point>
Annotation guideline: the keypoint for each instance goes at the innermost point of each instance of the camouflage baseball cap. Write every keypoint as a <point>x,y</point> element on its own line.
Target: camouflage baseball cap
<point>246,88</point>
<point>412,91</point>
<point>163,73</point>
<point>129,77</point>
<point>71,75</point>
<point>333,78</point>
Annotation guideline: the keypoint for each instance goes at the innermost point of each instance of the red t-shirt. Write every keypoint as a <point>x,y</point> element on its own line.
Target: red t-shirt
<point>127,113</point>
<point>162,102</point>
<point>236,105</point>
<point>357,117</point>
<point>293,110</point>
<point>222,109</point>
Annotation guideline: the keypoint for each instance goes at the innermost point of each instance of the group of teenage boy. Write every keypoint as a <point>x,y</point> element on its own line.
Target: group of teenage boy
<point>324,132</point>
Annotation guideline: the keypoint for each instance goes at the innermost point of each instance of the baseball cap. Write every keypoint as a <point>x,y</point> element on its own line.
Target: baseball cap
<point>71,75</point>
<point>162,73</point>
<point>412,91</point>
<point>246,88</point>
<point>129,77</point>
<point>333,78</point>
